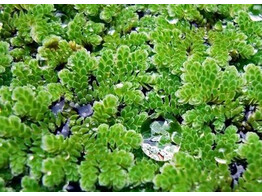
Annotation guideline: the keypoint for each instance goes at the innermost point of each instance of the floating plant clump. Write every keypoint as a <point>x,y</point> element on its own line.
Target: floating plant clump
<point>130,97</point>
<point>158,145</point>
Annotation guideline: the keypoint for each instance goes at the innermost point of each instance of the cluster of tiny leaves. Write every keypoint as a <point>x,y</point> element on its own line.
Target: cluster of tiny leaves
<point>196,66</point>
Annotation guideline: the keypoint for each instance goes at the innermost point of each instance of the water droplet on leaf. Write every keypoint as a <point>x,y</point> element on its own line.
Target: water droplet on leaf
<point>222,161</point>
<point>158,144</point>
<point>255,17</point>
<point>173,21</point>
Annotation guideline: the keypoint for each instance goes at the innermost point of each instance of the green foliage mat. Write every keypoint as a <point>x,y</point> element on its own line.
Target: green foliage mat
<point>80,86</point>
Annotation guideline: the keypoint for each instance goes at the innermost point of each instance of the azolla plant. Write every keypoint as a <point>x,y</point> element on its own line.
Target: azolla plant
<point>130,98</point>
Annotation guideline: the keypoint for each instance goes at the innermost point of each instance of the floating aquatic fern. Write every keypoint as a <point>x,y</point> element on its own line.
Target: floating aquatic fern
<point>130,97</point>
